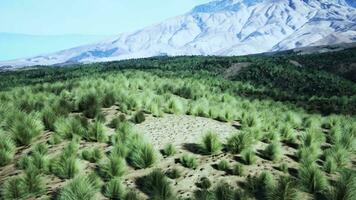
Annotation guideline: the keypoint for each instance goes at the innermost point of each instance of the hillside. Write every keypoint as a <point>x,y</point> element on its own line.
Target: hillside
<point>179,128</point>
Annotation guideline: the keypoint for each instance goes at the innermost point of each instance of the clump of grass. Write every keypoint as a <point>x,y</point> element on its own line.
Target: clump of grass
<point>211,143</point>
<point>25,128</point>
<point>260,185</point>
<point>114,189</point>
<point>132,195</point>
<point>7,149</point>
<point>142,155</point>
<point>312,179</point>
<point>89,104</point>
<point>156,185</point>
<point>67,164</point>
<point>55,139</point>
<point>139,117</point>
<point>40,148</point>
<point>34,182</point>
<point>223,191</point>
<point>283,167</point>
<point>113,167</point>
<point>204,183</point>
<point>49,118</point>
<point>92,155</point>
<point>96,132</point>
<point>14,188</point>
<point>169,150</point>
<point>330,165</point>
<point>175,106</point>
<point>249,156</point>
<point>286,188</point>
<point>80,188</point>
<point>312,137</point>
<point>69,127</point>
<point>65,168</point>
<point>117,121</point>
<point>339,155</point>
<point>239,141</point>
<point>189,161</point>
<point>250,120</point>
<point>273,151</point>
<point>223,165</point>
<point>238,170</point>
<point>108,99</point>
<point>345,186</point>
<point>173,173</point>
<point>288,134</point>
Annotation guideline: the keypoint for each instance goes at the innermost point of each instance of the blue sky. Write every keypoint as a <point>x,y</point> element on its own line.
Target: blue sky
<point>94,17</point>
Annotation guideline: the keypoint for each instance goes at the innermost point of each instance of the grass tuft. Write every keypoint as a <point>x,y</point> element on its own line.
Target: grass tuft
<point>189,161</point>
<point>211,143</point>
<point>114,189</point>
<point>169,150</point>
<point>80,188</point>
<point>156,185</point>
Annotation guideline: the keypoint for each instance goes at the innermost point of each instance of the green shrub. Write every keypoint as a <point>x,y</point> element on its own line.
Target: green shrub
<point>96,132</point>
<point>189,161</point>
<point>173,173</point>
<point>114,189</point>
<point>139,117</point>
<point>113,167</point>
<point>211,143</point>
<point>239,141</point>
<point>286,188</point>
<point>80,188</point>
<point>7,149</point>
<point>156,185</point>
<point>169,150</point>
<point>249,156</point>
<point>92,155</point>
<point>312,179</point>
<point>142,155</point>
<point>273,151</point>
<point>238,170</point>
<point>223,165</point>
<point>25,128</point>
<point>175,106</point>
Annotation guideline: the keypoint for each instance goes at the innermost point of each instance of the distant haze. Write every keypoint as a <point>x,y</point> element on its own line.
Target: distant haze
<point>13,46</point>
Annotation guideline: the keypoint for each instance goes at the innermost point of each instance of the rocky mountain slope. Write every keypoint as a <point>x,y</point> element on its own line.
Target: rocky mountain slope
<point>224,27</point>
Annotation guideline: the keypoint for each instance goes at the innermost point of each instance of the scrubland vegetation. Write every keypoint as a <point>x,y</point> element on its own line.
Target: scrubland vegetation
<point>72,133</point>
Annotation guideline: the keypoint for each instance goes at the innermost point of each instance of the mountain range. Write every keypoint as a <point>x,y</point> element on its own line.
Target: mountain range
<point>225,28</point>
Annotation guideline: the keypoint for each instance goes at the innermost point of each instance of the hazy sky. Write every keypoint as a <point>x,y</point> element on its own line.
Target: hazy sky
<point>95,17</point>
